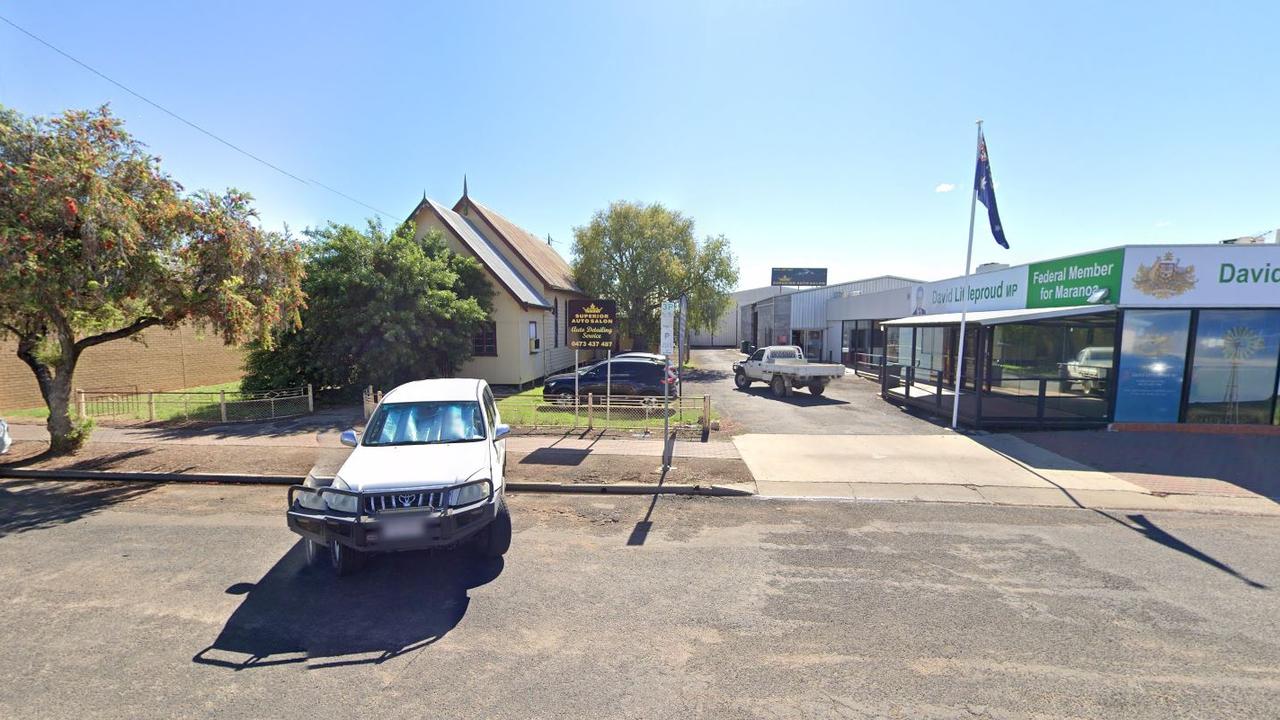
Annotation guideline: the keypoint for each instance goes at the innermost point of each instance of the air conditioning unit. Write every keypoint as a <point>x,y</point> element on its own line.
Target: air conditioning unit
<point>535,345</point>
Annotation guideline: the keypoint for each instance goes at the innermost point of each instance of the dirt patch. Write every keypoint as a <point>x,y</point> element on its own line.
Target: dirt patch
<point>583,467</point>
<point>176,458</point>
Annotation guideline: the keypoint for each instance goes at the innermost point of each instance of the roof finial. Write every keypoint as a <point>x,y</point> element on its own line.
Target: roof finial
<point>424,194</point>
<point>464,185</point>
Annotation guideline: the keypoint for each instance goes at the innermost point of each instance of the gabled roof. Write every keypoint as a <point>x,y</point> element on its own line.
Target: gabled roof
<point>545,261</point>
<point>507,274</point>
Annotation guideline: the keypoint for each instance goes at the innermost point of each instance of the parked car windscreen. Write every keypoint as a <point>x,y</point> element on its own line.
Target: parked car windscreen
<point>425,423</point>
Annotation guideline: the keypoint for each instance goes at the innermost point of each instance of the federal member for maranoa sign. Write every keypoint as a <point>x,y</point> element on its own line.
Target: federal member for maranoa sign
<point>1221,275</point>
<point>1088,279</point>
<point>591,323</point>
<point>799,277</point>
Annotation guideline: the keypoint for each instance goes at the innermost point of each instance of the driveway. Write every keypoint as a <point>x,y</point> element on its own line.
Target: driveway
<point>145,601</point>
<point>850,406</point>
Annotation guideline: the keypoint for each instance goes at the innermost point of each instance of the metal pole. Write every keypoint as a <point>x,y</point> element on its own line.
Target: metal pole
<point>222,404</point>
<point>608,384</point>
<point>666,421</point>
<point>575,387</point>
<point>964,301</point>
<point>684,341</point>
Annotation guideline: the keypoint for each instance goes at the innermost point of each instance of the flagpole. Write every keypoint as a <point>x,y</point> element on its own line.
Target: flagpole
<point>964,301</point>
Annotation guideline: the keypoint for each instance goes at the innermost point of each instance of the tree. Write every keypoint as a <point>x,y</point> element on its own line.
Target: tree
<point>640,255</point>
<point>97,244</point>
<point>383,309</point>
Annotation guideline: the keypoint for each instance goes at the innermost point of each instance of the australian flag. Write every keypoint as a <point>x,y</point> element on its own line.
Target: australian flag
<point>986,192</point>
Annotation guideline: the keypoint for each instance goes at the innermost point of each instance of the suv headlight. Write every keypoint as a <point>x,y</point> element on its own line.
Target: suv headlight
<point>312,500</point>
<point>470,493</point>
<point>340,503</point>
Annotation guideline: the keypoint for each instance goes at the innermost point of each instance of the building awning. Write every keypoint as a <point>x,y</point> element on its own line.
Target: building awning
<point>999,317</point>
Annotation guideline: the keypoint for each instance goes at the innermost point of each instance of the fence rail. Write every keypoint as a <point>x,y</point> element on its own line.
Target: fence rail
<point>222,406</point>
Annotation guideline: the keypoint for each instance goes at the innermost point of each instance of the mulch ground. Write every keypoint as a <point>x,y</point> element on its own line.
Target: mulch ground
<point>559,467</point>
<point>132,457</point>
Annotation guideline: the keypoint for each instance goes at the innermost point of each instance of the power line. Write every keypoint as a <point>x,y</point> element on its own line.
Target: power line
<point>183,120</point>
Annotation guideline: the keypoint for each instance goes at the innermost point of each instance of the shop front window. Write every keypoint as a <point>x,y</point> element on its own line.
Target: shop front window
<point>1233,372</point>
<point>1153,358</point>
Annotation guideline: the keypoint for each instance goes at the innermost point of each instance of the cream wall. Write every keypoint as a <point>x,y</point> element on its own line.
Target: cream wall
<point>514,364</point>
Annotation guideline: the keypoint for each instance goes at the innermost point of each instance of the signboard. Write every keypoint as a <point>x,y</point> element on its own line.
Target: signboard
<point>590,323</point>
<point>998,290</point>
<point>667,343</point>
<point>1088,279</point>
<point>1223,276</point>
<point>799,277</point>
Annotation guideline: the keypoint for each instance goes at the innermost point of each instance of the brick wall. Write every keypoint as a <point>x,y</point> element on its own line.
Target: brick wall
<point>166,360</point>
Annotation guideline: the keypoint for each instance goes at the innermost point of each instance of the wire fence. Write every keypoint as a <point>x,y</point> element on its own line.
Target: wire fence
<point>129,404</point>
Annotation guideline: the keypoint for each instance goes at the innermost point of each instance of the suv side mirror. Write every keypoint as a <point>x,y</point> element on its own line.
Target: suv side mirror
<point>501,432</point>
<point>349,438</point>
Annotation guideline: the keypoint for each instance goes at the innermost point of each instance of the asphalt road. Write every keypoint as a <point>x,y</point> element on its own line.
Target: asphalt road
<point>192,601</point>
<point>850,406</point>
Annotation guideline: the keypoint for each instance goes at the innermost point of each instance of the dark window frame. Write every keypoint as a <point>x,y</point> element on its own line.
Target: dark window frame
<point>484,343</point>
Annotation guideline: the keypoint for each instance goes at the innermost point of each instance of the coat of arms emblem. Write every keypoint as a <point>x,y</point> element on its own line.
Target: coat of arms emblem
<point>1165,278</point>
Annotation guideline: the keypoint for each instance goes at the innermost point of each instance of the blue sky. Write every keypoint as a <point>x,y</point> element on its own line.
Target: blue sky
<point>809,133</point>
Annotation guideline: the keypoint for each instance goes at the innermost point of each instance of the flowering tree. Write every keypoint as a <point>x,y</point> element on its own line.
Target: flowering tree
<point>98,244</point>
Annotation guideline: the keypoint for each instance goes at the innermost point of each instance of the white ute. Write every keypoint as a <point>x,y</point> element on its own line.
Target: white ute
<point>784,368</point>
<point>428,473</point>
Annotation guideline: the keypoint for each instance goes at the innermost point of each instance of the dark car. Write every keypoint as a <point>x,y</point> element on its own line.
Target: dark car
<point>631,376</point>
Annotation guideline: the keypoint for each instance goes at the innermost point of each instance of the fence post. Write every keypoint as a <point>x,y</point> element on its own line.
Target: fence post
<point>591,406</point>
<point>80,403</point>
<point>706,411</point>
<point>311,403</point>
<point>151,405</point>
<point>222,404</point>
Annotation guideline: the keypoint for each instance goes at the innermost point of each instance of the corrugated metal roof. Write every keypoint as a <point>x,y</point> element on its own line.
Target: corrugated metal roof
<point>545,261</point>
<point>494,260</point>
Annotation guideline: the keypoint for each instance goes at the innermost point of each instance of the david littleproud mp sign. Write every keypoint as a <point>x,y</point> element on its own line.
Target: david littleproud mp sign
<point>591,323</point>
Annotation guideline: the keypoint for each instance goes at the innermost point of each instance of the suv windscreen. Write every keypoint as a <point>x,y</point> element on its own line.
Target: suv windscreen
<point>425,423</point>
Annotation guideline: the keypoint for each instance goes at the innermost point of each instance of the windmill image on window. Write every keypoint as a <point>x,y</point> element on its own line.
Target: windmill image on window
<point>1239,344</point>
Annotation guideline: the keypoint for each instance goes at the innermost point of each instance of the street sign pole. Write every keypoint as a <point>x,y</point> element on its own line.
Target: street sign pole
<point>667,349</point>
<point>575,387</point>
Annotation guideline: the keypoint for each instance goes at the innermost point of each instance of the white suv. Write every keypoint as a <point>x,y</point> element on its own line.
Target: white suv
<point>428,473</point>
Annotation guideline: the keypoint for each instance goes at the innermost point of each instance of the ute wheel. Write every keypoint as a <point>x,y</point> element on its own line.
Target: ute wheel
<point>317,554</point>
<point>495,540</point>
<point>816,388</point>
<point>1088,387</point>
<point>741,380</point>
<point>779,385</point>
<point>345,560</point>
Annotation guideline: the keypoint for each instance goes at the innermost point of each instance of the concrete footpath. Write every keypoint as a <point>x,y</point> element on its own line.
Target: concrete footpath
<point>327,437</point>
<point>982,469</point>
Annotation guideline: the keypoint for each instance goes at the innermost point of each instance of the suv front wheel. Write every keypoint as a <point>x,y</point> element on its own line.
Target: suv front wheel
<point>495,540</point>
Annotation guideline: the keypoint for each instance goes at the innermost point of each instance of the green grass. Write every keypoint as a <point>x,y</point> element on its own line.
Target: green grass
<point>519,410</point>
<point>199,408</point>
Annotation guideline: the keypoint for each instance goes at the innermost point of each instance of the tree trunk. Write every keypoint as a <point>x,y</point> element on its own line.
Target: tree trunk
<point>55,387</point>
<point>62,436</point>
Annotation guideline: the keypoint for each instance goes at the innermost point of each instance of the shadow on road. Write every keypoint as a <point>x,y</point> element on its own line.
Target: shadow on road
<point>801,398</point>
<point>297,614</point>
<point>1143,525</point>
<point>37,504</point>
<point>1138,523</point>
